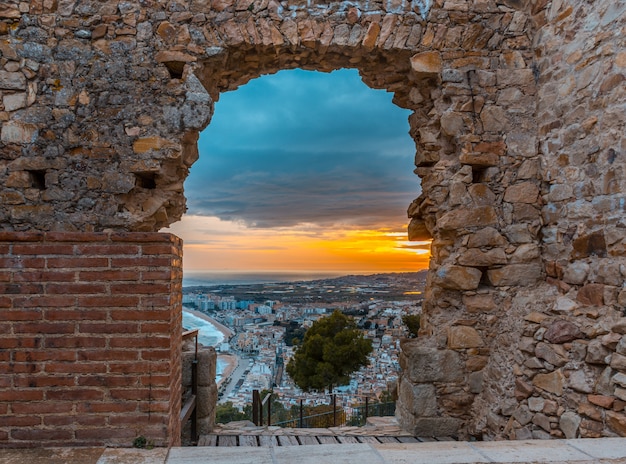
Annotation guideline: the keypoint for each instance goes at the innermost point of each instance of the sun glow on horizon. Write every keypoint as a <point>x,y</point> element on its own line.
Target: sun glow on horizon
<point>211,243</point>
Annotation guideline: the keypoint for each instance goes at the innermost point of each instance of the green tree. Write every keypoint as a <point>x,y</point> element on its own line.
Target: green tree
<point>412,322</point>
<point>227,412</point>
<point>332,349</point>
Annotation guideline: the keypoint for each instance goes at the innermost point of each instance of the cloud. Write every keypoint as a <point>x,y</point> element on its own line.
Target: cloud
<point>305,147</point>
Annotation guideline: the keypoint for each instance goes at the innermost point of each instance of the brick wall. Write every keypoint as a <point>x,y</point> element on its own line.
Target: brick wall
<point>90,338</point>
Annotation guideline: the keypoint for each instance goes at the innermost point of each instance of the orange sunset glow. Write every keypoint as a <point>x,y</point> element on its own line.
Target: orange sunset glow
<point>213,244</point>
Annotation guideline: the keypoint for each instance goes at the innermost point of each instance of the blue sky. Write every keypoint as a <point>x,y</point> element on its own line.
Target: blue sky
<point>301,151</point>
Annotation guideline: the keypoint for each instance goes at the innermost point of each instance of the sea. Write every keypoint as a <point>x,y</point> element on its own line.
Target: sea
<point>208,335</point>
<point>209,278</point>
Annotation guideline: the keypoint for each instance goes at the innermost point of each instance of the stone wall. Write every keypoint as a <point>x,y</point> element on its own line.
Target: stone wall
<point>90,346</point>
<point>518,118</point>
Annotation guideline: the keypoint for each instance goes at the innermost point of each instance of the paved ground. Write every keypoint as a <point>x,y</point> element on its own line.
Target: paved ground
<point>582,451</point>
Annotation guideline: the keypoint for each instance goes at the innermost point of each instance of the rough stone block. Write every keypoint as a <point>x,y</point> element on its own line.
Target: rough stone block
<point>515,275</point>
<point>431,365</point>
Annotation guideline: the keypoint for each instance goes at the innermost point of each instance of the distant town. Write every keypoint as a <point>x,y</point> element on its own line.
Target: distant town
<point>268,320</point>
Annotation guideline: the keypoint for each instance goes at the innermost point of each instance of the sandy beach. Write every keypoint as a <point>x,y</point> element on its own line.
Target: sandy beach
<point>231,363</point>
<point>222,328</point>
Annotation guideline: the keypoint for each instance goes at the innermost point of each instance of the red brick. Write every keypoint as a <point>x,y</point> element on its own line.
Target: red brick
<point>156,380</point>
<point>106,249</point>
<point>155,406</point>
<point>143,237</point>
<point>107,354</point>
<point>90,421</point>
<point>45,355</point>
<point>40,435</point>
<point>6,276</point>
<point>75,394</point>
<point>77,237</point>
<point>76,263</point>
<point>103,434</point>
<point>47,407</point>
<point>43,327</point>
<point>165,275</point>
<point>21,342</point>
<point>156,355</point>
<point>140,394</point>
<point>161,249</point>
<point>109,327</point>
<point>58,420</point>
<point>4,409</point>
<point>75,315</point>
<point>75,342</point>
<point>22,263</point>
<point>75,288</point>
<point>21,288</point>
<point>5,302</point>
<point>141,367</point>
<point>156,327</point>
<point>43,276</point>
<point>44,381</point>
<point>22,368</point>
<point>6,381</point>
<point>109,301</point>
<point>21,395</point>
<point>135,419</point>
<point>19,421</point>
<point>75,368</point>
<point>146,261</point>
<point>21,315</point>
<point>152,301</point>
<point>43,249</point>
<point>4,436</point>
<point>107,381</point>
<point>47,301</point>
<point>140,315</point>
<point>137,289</point>
<point>116,407</point>
<point>137,342</point>
<point>109,275</point>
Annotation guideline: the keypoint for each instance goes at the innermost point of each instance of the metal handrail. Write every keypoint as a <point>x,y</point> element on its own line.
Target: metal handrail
<point>189,410</point>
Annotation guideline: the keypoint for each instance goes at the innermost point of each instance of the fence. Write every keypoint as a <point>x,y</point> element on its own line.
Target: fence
<point>330,416</point>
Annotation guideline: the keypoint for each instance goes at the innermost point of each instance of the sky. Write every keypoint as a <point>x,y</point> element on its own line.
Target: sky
<point>303,171</point>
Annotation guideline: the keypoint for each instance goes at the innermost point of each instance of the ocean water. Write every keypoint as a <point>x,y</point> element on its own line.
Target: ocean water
<point>208,335</point>
<point>208,278</point>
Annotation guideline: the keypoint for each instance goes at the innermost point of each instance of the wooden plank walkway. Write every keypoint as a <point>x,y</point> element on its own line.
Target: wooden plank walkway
<point>300,440</point>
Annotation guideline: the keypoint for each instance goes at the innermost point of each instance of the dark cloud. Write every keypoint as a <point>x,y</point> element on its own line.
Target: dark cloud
<point>304,147</point>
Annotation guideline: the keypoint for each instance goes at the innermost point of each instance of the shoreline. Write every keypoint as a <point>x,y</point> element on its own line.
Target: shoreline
<point>228,333</point>
<point>231,361</point>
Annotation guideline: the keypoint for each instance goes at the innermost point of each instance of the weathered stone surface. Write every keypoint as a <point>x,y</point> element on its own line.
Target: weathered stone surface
<point>591,294</point>
<point>431,365</point>
<point>418,231</point>
<point>460,337</point>
<point>436,426</point>
<point>597,353</point>
<point>549,353</point>
<point>487,237</point>
<point>479,303</point>
<point>552,382</point>
<point>562,331</point>
<point>569,423</point>
<point>525,192</point>
<point>618,362</point>
<point>617,422</point>
<point>576,273</point>
<point>458,277</point>
<point>475,217</point>
<point>515,274</point>
<point>579,381</point>
<point>427,63</point>
<point>419,399</point>
<point>478,258</point>
<point>620,326</point>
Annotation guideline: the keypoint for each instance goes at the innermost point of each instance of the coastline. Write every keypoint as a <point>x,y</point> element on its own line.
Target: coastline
<point>222,328</point>
<point>231,361</point>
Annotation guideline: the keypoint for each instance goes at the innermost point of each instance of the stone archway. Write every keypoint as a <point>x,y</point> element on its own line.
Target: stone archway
<point>102,104</point>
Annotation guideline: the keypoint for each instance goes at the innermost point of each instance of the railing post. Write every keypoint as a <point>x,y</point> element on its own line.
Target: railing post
<point>269,410</point>
<point>367,403</point>
<point>334,410</point>
<point>194,392</point>
<point>301,413</point>
<point>255,406</point>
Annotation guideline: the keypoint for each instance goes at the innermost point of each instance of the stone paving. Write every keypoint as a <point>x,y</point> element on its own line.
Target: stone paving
<point>580,451</point>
